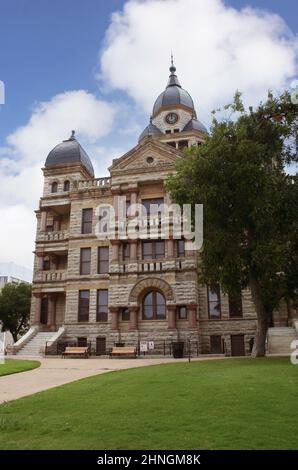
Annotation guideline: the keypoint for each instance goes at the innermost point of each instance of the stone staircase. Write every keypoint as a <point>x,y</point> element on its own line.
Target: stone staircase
<point>280,339</point>
<point>36,346</point>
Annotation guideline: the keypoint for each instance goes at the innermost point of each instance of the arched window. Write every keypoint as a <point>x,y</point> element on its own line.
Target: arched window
<point>54,187</point>
<point>66,185</point>
<point>154,306</point>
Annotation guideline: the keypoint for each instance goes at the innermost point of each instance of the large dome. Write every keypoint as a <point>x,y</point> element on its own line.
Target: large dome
<point>69,151</point>
<point>173,94</point>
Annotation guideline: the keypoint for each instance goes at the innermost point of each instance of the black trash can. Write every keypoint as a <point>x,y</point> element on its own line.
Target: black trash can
<point>178,348</point>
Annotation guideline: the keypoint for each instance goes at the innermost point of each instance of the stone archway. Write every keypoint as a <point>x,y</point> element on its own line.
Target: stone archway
<point>148,284</point>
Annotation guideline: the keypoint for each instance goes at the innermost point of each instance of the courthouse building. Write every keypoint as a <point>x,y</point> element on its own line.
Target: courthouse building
<point>107,290</point>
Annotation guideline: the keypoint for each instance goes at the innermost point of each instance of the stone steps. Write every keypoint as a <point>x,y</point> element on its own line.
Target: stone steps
<point>36,346</point>
<point>280,339</point>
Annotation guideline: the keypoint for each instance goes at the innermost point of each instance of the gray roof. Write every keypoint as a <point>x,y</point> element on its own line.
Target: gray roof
<point>195,124</point>
<point>69,151</point>
<point>173,94</point>
<point>151,129</point>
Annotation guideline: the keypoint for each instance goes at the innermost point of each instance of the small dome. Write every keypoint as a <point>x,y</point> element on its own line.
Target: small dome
<point>69,151</point>
<point>151,129</point>
<point>194,124</point>
<point>173,94</point>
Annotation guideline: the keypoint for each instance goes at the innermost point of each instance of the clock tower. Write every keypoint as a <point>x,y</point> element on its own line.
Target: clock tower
<point>174,119</point>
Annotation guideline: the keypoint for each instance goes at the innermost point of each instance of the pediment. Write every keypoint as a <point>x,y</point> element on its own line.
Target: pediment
<point>149,155</point>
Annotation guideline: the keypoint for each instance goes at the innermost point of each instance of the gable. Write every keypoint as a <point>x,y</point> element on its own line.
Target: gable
<point>147,156</point>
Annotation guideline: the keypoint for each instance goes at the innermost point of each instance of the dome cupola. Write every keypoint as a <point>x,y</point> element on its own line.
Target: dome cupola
<point>174,94</point>
<point>69,152</point>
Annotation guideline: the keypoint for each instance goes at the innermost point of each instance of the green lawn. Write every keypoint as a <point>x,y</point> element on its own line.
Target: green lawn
<point>223,404</point>
<point>12,366</point>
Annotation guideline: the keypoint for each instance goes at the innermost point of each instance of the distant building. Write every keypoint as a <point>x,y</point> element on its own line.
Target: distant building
<point>11,272</point>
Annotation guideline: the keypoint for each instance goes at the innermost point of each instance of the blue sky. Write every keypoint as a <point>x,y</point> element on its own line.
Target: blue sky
<point>48,46</point>
<point>70,64</point>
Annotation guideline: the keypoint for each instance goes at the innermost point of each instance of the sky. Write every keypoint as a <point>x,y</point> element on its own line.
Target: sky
<point>97,66</point>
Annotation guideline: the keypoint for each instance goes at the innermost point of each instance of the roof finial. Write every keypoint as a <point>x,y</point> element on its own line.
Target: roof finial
<point>172,68</point>
<point>72,137</point>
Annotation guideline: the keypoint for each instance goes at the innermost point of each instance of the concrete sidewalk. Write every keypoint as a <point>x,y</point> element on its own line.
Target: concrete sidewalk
<point>54,372</point>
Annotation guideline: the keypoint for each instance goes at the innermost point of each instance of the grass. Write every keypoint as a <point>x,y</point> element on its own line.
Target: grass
<point>13,366</point>
<point>223,404</point>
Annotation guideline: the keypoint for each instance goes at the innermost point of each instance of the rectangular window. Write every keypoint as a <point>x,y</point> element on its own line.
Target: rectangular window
<point>182,144</point>
<point>176,130</point>
<point>215,344</point>
<point>180,248</point>
<point>87,215</point>
<point>50,223</point>
<point>152,205</point>
<point>103,260</point>
<point>125,316</point>
<point>84,296</point>
<point>85,261</point>
<point>182,312</point>
<point>235,304</point>
<point>102,305</point>
<point>126,251</point>
<point>168,131</point>
<point>172,144</point>
<point>82,342</point>
<point>153,249</point>
<point>214,308</point>
<point>46,265</point>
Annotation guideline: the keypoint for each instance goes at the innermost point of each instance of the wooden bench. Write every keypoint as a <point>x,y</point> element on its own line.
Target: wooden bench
<point>123,351</point>
<point>76,351</point>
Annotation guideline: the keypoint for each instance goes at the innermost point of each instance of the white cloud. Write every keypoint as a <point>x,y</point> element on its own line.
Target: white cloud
<point>217,50</point>
<point>18,225</point>
<point>52,121</point>
<point>27,148</point>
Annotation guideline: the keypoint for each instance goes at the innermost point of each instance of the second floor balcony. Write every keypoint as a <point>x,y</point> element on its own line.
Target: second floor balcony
<point>53,236</point>
<point>50,276</point>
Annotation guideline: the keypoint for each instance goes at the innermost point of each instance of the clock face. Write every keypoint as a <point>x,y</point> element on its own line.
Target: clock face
<point>171,118</point>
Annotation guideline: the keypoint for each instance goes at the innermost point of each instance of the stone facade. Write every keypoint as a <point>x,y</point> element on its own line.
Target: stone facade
<point>138,175</point>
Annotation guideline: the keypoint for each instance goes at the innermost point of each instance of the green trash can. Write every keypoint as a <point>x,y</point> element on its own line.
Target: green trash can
<point>178,349</point>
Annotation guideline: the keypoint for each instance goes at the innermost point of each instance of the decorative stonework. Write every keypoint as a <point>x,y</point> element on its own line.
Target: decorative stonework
<point>151,283</point>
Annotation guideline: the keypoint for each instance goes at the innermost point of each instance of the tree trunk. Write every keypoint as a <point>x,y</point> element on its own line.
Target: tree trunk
<point>14,335</point>
<point>259,348</point>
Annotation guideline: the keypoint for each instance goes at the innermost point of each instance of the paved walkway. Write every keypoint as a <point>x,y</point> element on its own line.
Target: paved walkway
<point>54,372</point>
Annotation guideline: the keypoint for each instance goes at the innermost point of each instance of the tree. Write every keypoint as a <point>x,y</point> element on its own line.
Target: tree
<point>15,308</point>
<point>250,203</point>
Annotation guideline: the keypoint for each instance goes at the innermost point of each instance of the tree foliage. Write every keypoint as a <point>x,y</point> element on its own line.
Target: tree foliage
<point>250,203</point>
<point>15,302</point>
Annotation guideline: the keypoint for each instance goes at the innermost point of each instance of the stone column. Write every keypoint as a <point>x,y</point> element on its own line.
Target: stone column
<point>115,318</point>
<point>133,314</point>
<point>133,249</point>
<point>43,222</point>
<point>133,190</point>
<point>192,315</point>
<point>116,193</point>
<point>37,308</point>
<point>115,249</point>
<point>190,252</point>
<point>39,263</point>
<point>170,248</point>
<point>171,309</point>
<point>51,309</point>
